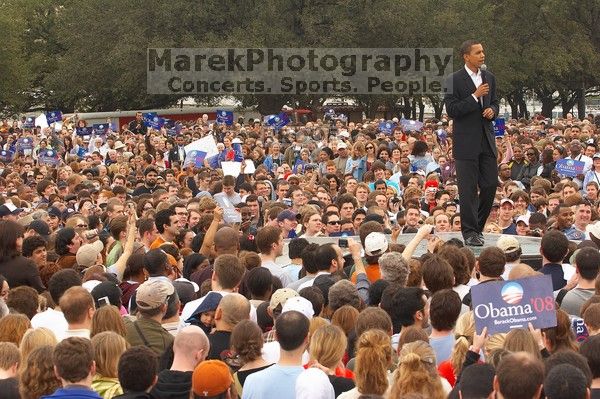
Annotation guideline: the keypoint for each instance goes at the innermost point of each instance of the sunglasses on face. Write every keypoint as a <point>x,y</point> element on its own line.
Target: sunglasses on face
<point>334,222</point>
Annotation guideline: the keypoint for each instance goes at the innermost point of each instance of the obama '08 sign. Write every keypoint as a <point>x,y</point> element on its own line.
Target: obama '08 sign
<point>505,305</point>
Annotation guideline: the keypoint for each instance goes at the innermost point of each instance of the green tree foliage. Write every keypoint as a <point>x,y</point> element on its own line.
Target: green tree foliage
<point>91,55</point>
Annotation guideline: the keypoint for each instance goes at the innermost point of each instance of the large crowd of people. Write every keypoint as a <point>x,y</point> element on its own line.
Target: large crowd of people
<point>128,272</point>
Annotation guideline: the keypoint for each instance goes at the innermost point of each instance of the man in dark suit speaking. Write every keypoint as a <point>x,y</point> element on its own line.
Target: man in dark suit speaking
<point>472,104</point>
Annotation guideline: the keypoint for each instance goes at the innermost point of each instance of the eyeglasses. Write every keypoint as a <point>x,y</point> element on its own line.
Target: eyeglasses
<point>81,226</point>
<point>334,222</point>
<point>530,153</point>
<point>370,148</point>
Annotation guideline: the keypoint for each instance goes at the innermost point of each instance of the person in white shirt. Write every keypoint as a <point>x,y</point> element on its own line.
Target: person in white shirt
<point>54,319</point>
<point>269,241</point>
<point>512,251</point>
<point>77,305</point>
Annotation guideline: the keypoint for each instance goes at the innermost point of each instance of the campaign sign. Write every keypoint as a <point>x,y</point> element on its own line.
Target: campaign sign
<point>148,117</point>
<point>505,305</point>
<point>84,131</point>
<point>81,152</point>
<point>195,158</point>
<point>152,120</point>
<point>387,127</point>
<point>25,143</point>
<point>224,117</point>
<point>499,127</point>
<point>569,167</point>
<point>278,121</point>
<point>235,154</point>
<point>411,125</point>
<point>6,155</point>
<point>29,122</point>
<point>53,116</point>
<point>48,157</point>
<point>101,129</point>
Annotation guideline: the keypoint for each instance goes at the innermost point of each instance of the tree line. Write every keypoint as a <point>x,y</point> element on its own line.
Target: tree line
<point>88,55</point>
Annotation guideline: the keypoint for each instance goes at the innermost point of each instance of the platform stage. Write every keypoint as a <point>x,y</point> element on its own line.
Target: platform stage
<point>530,246</point>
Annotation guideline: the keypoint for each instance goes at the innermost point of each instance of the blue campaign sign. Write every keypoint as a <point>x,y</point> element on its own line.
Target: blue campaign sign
<point>499,126</point>
<point>195,158</point>
<point>387,127</point>
<point>101,129</point>
<point>224,117</point>
<point>148,117</point>
<point>505,305</point>
<point>29,122</point>
<point>84,131</point>
<point>153,121</point>
<point>569,167</point>
<point>53,117</point>
<point>278,121</point>
<point>411,125</point>
<point>48,157</point>
<point>6,155</point>
<point>25,143</point>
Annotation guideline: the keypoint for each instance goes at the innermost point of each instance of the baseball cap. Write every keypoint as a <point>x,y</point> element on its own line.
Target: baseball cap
<point>108,290</point>
<point>523,219</point>
<point>286,215</point>
<point>341,145</point>
<point>40,227</point>
<point>211,378</point>
<point>593,229</point>
<point>281,296</point>
<point>375,244</point>
<point>88,253</point>
<point>9,209</point>
<point>153,293</point>
<point>596,155</point>
<point>54,212</point>
<point>299,304</point>
<point>505,200</point>
<point>431,183</point>
<point>508,244</point>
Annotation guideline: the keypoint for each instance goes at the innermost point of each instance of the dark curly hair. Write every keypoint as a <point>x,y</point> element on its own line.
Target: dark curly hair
<point>247,341</point>
<point>38,378</point>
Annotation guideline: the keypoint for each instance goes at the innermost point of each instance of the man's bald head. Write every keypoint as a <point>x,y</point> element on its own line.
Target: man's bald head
<point>233,308</point>
<point>227,241</point>
<point>192,343</point>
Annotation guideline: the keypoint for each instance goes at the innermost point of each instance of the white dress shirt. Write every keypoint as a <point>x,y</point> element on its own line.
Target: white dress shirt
<point>477,80</point>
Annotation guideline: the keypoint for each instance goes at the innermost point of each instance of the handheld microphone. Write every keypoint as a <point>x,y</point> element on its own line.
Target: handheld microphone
<point>483,68</point>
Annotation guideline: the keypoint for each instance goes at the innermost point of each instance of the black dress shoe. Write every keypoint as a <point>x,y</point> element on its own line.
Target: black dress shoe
<point>473,241</point>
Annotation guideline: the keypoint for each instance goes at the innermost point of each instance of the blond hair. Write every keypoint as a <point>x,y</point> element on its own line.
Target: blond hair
<point>35,338</point>
<point>328,345</point>
<point>107,318</point>
<point>495,342</point>
<point>373,357</point>
<point>519,340</point>
<point>417,372</point>
<point>463,332</point>
<point>108,347</point>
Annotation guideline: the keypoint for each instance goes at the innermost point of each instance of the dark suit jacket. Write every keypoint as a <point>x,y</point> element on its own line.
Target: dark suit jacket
<point>469,124</point>
<point>174,155</point>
